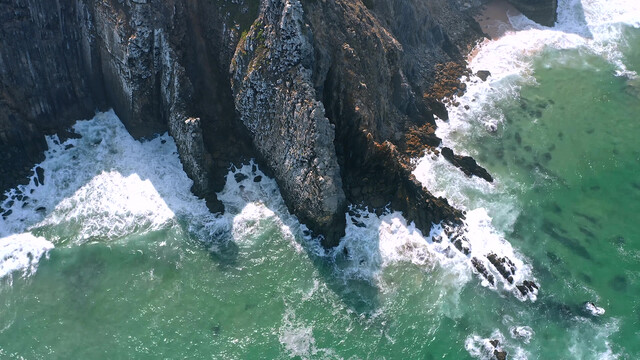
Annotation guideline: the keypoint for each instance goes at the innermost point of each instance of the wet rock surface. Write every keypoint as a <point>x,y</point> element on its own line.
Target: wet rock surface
<point>467,164</point>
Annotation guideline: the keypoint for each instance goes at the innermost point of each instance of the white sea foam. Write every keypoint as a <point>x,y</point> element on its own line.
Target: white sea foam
<point>298,339</point>
<point>21,252</point>
<point>589,340</point>
<point>102,186</point>
<point>250,197</point>
<point>594,310</point>
<point>106,185</point>
<point>593,26</point>
<point>373,242</point>
<point>522,332</point>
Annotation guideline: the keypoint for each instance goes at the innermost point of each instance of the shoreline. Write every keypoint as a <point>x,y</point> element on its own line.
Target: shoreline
<point>493,19</point>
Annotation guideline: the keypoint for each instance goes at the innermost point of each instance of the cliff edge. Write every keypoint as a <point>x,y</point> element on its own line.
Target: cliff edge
<point>333,98</point>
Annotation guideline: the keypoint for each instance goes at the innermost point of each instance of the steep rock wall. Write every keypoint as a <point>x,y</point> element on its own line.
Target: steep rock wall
<point>343,61</point>
<point>323,93</point>
<point>46,79</point>
<point>271,80</point>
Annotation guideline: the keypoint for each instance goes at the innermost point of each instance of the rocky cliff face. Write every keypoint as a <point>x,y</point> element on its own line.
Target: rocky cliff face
<point>162,65</point>
<point>274,94</point>
<point>328,95</point>
<point>369,64</point>
<point>46,79</point>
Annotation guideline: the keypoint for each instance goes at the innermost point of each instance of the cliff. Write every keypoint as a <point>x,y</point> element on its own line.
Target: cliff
<point>328,96</point>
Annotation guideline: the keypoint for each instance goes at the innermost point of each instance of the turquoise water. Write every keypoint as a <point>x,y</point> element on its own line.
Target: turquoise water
<point>140,269</point>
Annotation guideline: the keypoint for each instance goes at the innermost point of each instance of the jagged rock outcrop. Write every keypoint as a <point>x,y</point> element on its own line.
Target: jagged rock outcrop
<point>328,95</point>
<point>271,81</point>
<point>346,56</point>
<point>544,12</point>
<point>467,164</point>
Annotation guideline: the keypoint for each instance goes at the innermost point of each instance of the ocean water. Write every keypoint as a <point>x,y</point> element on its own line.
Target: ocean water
<point>108,255</point>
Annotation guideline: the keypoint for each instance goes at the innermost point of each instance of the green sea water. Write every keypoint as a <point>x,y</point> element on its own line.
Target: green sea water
<point>567,163</point>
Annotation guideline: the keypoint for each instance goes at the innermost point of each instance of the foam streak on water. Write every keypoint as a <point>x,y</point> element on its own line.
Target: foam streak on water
<point>103,185</point>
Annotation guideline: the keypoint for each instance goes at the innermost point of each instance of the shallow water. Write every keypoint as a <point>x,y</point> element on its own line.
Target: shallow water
<point>112,256</point>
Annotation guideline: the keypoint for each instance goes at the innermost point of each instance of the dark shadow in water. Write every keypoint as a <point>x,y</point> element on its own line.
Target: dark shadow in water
<point>224,253</point>
<point>358,294</point>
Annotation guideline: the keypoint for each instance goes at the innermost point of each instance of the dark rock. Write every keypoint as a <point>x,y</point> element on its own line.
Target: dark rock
<point>257,178</point>
<point>467,164</point>
<point>504,265</point>
<point>500,355</point>
<point>523,289</point>
<point>240,177</point>
<point>40,174</point>
<point>215,330</point>
<point>483,74</point>
<point>477,264</point>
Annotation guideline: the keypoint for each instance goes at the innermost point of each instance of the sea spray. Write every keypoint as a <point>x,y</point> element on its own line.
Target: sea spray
<point>374,242</point>
<point>21,252</point>
<point>104,185</point>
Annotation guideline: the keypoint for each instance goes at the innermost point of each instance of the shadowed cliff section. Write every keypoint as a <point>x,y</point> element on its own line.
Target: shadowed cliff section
<point>162,66</point>
<point>46,79</point>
